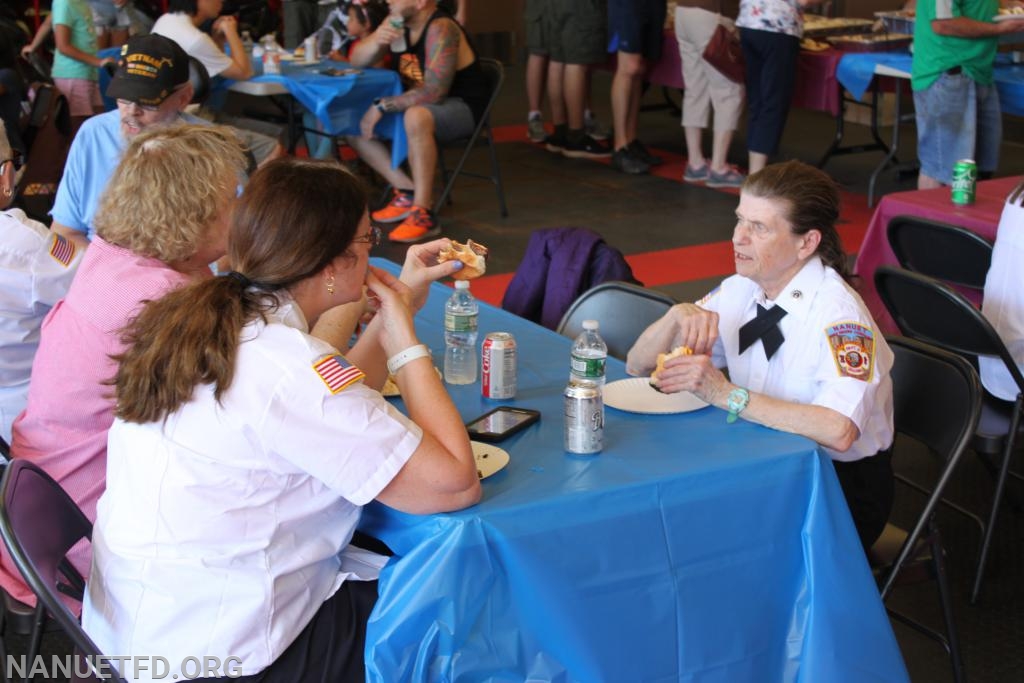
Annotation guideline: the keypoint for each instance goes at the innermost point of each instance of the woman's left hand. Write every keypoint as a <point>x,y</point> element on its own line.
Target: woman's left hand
<point>421,268</point>
<point>695,374</point>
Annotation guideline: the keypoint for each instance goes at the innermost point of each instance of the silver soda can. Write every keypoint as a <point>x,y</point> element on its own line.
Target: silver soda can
<point>584,419</point>
<point>498,366</point>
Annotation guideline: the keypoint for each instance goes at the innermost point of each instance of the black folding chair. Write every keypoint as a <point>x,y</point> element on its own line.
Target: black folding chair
<point>936,402</point>
<point>39,524</point>
<point>940,250</point>
<point>934,312</point>
<point>496,77</point>
<point>623,309</point>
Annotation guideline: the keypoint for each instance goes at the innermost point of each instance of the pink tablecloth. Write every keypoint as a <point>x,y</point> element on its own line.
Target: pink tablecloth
<point>816,84</point>
<point>981,217</point>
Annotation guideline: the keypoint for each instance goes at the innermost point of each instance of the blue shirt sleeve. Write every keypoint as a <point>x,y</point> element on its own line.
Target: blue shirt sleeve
<point>69,205</point>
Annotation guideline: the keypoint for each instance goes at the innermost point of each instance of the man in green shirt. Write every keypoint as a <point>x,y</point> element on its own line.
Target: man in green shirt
<point>957,105</point>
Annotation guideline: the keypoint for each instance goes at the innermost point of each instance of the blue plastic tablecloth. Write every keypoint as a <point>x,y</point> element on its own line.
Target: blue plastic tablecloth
<point>689,550</point>
<point>337,102</point>
<point>856,70</point>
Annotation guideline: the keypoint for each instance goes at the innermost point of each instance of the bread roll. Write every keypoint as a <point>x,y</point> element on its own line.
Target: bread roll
<point>662,357</point>
<point>473,256</point>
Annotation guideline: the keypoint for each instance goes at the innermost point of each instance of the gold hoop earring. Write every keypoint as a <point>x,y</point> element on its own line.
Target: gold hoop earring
<point>330,284</point>
<point>8,191</point>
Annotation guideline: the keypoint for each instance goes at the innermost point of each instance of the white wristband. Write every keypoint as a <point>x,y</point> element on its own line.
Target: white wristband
<point>397,361</point>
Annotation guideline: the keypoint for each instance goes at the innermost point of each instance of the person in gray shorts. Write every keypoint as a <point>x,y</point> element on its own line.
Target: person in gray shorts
<point>575,31</point>
<point>446,94</point>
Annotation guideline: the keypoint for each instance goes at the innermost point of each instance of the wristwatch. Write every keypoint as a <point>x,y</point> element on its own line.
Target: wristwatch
<point>737,401</point>
<point>379,104</point>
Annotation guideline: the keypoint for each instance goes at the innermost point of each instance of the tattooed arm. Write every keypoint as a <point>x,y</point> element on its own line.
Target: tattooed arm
<point>442,52</point>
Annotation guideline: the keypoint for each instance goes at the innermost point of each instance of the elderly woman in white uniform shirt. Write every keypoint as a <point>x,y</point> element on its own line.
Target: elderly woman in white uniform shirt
<point>244,447</point>
<point>802,351</point>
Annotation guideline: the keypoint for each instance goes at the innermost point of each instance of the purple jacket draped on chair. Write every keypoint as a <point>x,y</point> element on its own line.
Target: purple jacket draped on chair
<point>559,265</point>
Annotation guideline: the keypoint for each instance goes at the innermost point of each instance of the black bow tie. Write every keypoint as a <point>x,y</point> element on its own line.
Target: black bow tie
<point>764,327</point>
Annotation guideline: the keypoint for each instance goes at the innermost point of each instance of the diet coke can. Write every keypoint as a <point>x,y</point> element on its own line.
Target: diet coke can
<point>584,419</point>
<point>498,365</point>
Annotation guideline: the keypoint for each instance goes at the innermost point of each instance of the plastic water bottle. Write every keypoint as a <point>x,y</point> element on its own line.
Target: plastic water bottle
<point>398,44</point>
<point>589,353</point>
<point>460,316</point>
<point>256,55</point>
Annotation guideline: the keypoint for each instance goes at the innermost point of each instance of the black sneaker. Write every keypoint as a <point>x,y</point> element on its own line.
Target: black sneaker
<point>586,148</point>
<point>556,142</point>
<point>641,152</point>
<point>624,160</point>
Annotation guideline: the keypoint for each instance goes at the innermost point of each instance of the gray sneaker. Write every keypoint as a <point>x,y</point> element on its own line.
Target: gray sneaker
<point>535,130</point>
<point>696,175</point>
<point>731,178</point>
<point>594,129</point>
<point>624,160</point>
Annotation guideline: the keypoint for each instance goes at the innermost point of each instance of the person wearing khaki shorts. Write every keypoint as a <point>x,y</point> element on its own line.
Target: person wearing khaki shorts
<point>707,89</point>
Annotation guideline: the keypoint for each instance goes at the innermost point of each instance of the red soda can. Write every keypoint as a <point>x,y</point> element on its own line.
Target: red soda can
<point>498,365</point>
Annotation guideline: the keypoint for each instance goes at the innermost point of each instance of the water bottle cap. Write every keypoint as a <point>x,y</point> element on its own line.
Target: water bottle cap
<point>462,284</point>
<point>590,325</point>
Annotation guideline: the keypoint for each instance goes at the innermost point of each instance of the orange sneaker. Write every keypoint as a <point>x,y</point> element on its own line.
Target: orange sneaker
<point>396,209</point>
<point>420,225</point>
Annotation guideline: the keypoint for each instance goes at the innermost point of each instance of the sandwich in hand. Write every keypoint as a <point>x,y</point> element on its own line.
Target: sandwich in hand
<point>662,357</point>
<point>472,255</point>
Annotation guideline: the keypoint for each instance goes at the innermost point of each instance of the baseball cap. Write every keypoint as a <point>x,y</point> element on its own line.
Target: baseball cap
<point>148,70</point>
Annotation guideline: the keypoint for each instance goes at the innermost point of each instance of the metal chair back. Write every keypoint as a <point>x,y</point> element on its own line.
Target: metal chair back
<point>937,402</point>
<point>39,524</point>
<point>495,73</point>
<point>940,250</point>
<point>624,311</point>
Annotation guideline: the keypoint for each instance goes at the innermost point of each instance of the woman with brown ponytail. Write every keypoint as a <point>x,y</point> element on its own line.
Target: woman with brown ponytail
<point>244,447</point>
<point>803,354</point>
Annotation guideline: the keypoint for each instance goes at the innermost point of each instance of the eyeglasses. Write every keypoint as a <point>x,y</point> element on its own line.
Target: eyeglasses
<point>144,107</point>
<point>18,160</point>
<point>373,238</point>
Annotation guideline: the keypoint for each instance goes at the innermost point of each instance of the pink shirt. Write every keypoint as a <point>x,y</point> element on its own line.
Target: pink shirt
<point>64,426</point>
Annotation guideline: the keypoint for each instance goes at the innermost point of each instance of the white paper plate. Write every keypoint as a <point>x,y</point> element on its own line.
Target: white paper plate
<point>636,395</point>
<point>1008,17</point>
<point>489,458</point>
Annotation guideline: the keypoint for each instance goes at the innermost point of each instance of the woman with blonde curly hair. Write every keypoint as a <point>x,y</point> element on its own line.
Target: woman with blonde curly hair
<point>162,220</point>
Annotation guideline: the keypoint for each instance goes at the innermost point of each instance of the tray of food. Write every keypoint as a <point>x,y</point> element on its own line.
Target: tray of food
<point>872,42</point>
<point>819,27</point>
<point>898,21</point>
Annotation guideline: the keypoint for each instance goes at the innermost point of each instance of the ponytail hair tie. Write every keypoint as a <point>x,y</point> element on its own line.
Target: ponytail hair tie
<point>240,278</point>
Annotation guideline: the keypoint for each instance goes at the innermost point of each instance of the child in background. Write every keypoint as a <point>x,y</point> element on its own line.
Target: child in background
<point>364,16</point>
<point>75,62</point>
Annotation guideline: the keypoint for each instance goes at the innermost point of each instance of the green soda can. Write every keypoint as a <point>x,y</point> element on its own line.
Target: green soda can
<point>965,177</point>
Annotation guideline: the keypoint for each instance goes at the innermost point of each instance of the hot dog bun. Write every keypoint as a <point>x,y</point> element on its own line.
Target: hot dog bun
<point>473,256</point>
<point>662,357</point>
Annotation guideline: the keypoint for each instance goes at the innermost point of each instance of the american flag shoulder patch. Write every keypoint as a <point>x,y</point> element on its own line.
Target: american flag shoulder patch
<point>337,373</point>
<point>62,250</point>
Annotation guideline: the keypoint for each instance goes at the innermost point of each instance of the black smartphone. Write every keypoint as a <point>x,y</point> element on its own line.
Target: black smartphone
<point>501,423</point>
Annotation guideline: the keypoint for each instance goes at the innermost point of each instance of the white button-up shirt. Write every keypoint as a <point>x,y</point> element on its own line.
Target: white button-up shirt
<point>220,529</point>
<point>36,269</point>
<point>832,355</point>
<point>1004,302</point>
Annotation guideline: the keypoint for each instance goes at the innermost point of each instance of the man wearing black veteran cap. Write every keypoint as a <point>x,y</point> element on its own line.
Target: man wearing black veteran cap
<point>152,89</point>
